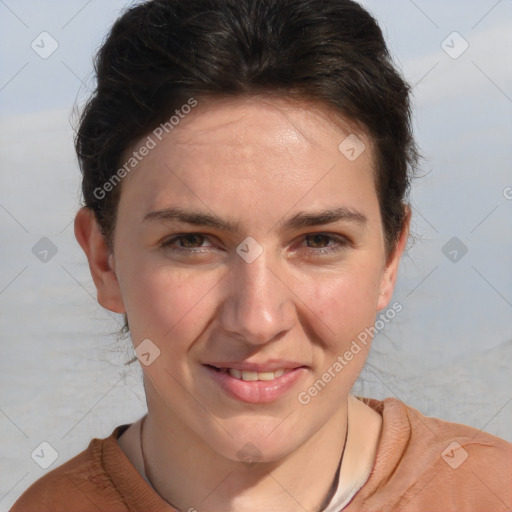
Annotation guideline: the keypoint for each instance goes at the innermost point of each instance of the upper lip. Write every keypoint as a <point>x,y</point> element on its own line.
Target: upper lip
<point>267,366</point>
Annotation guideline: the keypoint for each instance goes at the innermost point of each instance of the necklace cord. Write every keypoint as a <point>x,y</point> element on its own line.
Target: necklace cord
<point>334,486</point>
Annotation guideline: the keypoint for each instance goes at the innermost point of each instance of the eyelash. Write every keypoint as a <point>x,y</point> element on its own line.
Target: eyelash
<point>343,243</point>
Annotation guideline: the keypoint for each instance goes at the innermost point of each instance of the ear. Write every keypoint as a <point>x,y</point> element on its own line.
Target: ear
<point>101,260</point>
<point>388,281</point>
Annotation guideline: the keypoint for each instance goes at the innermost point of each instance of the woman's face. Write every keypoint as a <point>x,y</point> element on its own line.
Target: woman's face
<point>299,274</point>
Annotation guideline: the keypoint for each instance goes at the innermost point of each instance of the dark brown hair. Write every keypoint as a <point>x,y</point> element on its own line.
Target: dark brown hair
<point>161,53</point>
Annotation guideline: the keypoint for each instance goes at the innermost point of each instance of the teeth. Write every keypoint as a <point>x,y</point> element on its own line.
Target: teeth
<point>266,376</point>
<point>253,376</point>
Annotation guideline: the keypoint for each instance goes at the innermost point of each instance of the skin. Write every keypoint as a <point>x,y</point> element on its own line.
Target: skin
<point>255,161</point>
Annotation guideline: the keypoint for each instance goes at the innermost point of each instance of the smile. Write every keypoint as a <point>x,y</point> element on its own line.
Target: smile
<point>252,376</point>
<point>250,386</point>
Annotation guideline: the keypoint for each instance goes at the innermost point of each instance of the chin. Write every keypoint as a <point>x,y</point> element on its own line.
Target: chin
<point>255,451</point>
<point>252,443</point>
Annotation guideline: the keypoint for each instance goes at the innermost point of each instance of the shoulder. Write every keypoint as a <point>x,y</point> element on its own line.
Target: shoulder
<point>432,433</point>
<point>428,462</point>
<point>453,442</point>
<point>472,466</point>
<point>79,485</point>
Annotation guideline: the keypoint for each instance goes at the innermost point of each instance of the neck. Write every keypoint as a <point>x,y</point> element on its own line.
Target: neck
<point>199,478</point>
<point>327,498</point>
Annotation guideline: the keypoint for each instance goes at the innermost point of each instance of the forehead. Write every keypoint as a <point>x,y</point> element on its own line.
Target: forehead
<point>251,147</point>
<point>274,123</point>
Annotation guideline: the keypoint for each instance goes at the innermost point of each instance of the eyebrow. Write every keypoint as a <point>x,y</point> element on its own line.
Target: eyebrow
<point>297,221</point>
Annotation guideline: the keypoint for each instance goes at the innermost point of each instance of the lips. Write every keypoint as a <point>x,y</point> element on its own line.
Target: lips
<point>250,372</point>
<point>267,366</point>
<point>262,382</point>
<point>250,376</point>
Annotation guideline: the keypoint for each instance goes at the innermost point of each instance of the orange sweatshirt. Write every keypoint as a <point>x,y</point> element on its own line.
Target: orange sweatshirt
<point>423,464</point>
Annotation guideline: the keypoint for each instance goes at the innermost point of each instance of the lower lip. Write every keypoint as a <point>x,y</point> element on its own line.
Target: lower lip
<point>256,392</point>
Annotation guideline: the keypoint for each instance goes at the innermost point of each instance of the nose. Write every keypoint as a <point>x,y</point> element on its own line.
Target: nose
<point>259,304</point>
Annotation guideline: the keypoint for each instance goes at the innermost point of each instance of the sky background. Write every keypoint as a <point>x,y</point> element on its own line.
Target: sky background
<point>448,353</point>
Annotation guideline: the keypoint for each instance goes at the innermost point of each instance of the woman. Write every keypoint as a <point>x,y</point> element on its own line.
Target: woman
<point>245,173</point>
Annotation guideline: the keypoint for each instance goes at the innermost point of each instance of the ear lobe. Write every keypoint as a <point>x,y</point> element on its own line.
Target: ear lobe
<point>391,271</point>
<point>101,260</point>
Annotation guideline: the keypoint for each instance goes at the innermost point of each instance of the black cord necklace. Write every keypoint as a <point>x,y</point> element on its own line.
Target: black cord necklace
<point>336,479</point>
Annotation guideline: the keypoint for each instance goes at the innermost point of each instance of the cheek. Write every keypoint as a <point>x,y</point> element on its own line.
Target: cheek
<point>345,301</point>
<point>345,308</point>
<point>167,304</point>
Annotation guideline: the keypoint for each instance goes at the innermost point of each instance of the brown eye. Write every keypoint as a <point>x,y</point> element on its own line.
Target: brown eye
<point>319,239</point>
<point>325,243</point>
<point>188,243</point>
